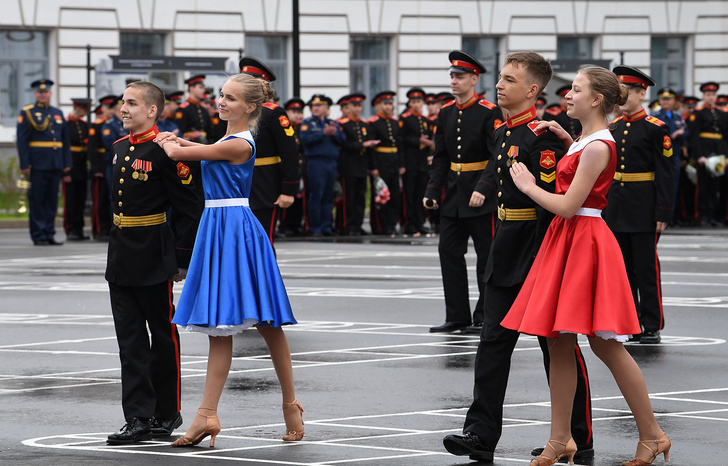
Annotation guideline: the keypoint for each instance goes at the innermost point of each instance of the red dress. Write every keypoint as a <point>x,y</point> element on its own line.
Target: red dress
<point>578,282</point>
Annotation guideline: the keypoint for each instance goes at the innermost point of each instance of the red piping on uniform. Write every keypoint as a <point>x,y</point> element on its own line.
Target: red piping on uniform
<point>659,283</point>
<point>175,339</point>
<point>582,368</point>
<point>272,225</point>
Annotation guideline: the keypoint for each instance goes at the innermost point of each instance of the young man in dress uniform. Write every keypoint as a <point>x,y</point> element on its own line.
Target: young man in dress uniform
<point>74,190</point>
<point>45,157</point>
<point>415,133</point>
<point>145,255</point>
<point>678,135</point>
<point>518,233</point>
<point>355,163</point>
<point>275,176</point>
<point>191,118</point>
<point>321,138</point>
<point>387,162</point>
<point>100,189</point>
<point>464,141</point>
<point>640,198</point>
<point>557,113</point>
<point>706,125</point>
<point>292,218</point>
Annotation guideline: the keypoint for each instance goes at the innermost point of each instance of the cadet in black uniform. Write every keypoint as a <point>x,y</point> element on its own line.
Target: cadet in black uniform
<point>74,191</point>
<point>706,126</point>
<point>45,156</point>
<point>387,163</point>
<point>520,228</point>
<point>191,118</point>
<point>415,134</point>
<point>464,140</point>
<point>292,217</point>
<point>355,163</point>
<point>557,113</point>
<point>100,200</point>
<point>275,176</point>
<point>145,255</point>
<point>640,198</point>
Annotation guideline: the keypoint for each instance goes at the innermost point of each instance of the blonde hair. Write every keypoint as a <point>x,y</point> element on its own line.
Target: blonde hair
<point>254,91</point>
<point>604,82</point>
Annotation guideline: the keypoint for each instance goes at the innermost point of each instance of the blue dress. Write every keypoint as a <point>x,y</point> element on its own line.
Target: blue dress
<point>233,281</point>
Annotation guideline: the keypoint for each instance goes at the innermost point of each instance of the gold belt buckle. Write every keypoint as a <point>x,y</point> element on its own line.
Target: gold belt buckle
<point>458,167</point>
<point>117,220</point>
<point>501,214</point>
<point>618,176</point>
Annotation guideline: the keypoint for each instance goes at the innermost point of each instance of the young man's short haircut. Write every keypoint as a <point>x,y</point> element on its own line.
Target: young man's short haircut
<point>152,95</point>
<point>537,68</point>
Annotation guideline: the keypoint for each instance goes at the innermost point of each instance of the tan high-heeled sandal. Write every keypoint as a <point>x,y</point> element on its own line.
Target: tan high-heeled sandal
<point>212,428</point>
<point>569,451</point>
<point>292,412</point>
<point>662,446</point>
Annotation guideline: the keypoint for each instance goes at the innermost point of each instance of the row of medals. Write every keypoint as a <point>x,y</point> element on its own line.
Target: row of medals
<point>140,175</point>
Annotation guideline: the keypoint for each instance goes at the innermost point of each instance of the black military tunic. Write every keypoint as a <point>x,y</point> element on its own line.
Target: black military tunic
<point>412,126</point>
<point>558,114</point>
<point>191,117</point>
<point>464,145</point>
<point>276,165</point>
<point>387,159</point>
<point>640,196</point>
<point>100,201</point>
<point>355,162</point>
<point>219,128</point>
<point>75,190</point>
<point>144,253</point>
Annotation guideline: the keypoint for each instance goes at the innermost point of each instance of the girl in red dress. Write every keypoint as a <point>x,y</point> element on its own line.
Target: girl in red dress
<point>578,283</point>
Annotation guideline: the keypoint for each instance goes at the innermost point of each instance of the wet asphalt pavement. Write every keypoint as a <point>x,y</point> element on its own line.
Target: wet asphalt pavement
<point>377,388</point>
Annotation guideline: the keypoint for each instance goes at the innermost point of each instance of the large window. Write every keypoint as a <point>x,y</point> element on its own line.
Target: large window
<point>485,49</point>
<point>369,67</point>
<point>142,44</point>
<point>574,48</point>
<point>271,50</point>
<point>668,62</point>
<point>24,59</point>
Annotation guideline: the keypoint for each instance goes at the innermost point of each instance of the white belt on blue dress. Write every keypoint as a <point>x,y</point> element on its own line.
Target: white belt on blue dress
<point>240,201</point>
<point>588,212</point>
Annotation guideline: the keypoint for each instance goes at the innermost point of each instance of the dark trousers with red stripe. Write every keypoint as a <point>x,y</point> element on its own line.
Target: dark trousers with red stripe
<point>355,189</point>
<point>492,368</point>
<point>643,270</point>
<point>100,208</point>
<point>150,373</point>
<point>267,217</point>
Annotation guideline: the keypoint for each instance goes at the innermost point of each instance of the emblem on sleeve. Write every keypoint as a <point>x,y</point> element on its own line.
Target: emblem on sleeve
<point>183,170</point>
<point>548,159</point>
<point>666,142</point>
<point>289,131</point>
<point>284,121</point>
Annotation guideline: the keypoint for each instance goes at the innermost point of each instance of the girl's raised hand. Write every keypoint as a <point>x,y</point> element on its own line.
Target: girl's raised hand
<point>522,178</point>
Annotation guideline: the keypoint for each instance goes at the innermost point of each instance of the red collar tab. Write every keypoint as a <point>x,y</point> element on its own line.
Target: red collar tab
<point>522,118</point>
<point>381,115</point>
<point>253,70</point>
<point>193,101</point>
<point>146,136</point>
<point>466,65</point>
<point>637,116</point>
<point>468,102</point>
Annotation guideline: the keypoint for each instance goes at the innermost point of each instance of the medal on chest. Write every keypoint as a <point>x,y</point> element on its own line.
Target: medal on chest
<point>141,169</point>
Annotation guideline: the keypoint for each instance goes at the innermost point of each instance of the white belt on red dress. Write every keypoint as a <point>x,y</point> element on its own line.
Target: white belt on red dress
<point>240,201</point>
<point>588,212</point>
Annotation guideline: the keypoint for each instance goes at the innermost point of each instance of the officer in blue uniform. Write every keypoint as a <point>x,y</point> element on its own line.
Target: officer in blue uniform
<point>678,135</point>
<point>321,138</point>
<point>45,156</point>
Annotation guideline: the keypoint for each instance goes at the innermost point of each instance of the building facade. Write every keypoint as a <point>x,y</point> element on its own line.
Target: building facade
<point>346,46</point>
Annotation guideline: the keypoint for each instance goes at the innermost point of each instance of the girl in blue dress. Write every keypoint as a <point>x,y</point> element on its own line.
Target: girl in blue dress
<point>233,281</point>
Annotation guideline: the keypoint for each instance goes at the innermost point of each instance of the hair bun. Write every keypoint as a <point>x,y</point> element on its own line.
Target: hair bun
<point>623,94</point>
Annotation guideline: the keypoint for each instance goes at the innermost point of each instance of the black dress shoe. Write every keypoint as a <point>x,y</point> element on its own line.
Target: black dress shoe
<point>165,427</point>
<point>76,237</point>
<point>650,337</point>
<point>449,327</point>
<point>41,242</point>
<point>468,444</point>
<point>53,242</point>
<point>474,329</point>
<point>135,430</point>
<point>584,454</point>
<point>636,337</point>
